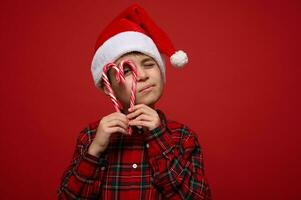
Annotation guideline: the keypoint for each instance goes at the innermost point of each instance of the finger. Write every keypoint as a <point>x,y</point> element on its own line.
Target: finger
<point>140,123</point>
<point>148,110</point>
<point>135,114</point>
<point>118,129</point>
<point>138,112</point>
<point>143,117</point>
<point>117,122</point>
<point>135,107</point>
<point>138,106</point>
<point>117,115</point>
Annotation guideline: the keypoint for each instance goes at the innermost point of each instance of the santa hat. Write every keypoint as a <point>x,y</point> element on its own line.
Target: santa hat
<point>134,30</point>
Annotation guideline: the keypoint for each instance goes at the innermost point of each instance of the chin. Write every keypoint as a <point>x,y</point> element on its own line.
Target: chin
<point>148,99</point>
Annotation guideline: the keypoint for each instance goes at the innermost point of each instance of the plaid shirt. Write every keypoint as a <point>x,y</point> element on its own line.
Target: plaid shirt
<point>165,163</point>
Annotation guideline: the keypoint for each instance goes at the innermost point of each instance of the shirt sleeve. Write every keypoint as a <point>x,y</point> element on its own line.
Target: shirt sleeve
<point>82,178</point>
<point>177,164</point>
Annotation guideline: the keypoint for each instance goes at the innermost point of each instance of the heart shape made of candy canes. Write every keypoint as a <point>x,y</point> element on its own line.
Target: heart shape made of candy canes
<point>120,79</point>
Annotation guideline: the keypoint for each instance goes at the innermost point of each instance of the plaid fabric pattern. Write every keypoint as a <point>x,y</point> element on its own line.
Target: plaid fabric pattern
<point>165,163</point>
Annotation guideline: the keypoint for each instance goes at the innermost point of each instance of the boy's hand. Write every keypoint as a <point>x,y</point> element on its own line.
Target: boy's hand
<point>143,115</point>
<point>115,122</point>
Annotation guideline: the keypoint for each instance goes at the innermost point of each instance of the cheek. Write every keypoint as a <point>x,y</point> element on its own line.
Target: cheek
<point>159,77</point>
<point>161,87</point>
<point>161,83</point>
<point>127,85</point>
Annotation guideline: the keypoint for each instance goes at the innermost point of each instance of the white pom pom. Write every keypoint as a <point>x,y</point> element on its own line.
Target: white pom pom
<point>179,59</point>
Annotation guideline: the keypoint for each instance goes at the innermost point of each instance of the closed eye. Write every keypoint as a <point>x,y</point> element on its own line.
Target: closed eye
<point>149,64</point>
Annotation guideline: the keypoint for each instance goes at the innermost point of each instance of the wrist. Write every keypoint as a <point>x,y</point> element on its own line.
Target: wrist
<point>95,150</point>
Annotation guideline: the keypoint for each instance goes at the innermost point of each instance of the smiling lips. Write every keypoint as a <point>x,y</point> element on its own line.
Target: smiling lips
<point>146,88</point>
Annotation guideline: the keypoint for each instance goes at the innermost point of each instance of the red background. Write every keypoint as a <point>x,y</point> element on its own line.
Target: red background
<point>239,92</point>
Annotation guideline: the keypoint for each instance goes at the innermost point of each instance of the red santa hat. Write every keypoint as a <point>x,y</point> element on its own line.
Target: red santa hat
<point>134,30</point>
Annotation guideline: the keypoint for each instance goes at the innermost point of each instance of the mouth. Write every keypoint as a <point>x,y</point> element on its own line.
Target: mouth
<point>146,88</point>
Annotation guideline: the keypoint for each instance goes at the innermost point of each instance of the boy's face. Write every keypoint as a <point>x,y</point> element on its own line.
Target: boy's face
<point>149,86</point>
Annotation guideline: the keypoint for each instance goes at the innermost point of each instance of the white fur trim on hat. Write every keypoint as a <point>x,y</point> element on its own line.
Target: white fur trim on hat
<point>179,59</point>
<point>121,44</point>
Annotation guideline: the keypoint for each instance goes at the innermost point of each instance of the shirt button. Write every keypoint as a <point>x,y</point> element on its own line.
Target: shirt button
<point>103,168</point>
<point>147,145</point>
<point>135,166</point>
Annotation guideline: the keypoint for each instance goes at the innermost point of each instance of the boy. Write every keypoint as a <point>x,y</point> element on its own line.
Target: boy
<point>161,159</point>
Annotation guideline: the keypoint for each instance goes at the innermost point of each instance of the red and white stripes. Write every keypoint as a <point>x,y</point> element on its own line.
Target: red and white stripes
<point>130,64</point>
<point>107,84</point>
<point>120,79</point>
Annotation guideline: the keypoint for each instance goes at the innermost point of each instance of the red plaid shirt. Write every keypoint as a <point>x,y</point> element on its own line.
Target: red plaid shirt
<point>165,163</point>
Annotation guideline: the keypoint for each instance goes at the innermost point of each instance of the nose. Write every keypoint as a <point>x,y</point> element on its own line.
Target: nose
<point>141,74</point>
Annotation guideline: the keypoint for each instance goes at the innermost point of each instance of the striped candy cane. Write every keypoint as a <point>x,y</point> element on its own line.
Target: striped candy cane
<point>120,79</point>
<point>133,68</point>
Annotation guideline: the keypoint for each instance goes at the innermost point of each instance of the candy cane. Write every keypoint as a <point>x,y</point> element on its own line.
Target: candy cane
<point>134,82</point>
<point>120,79</point>
<point>134,78</point>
